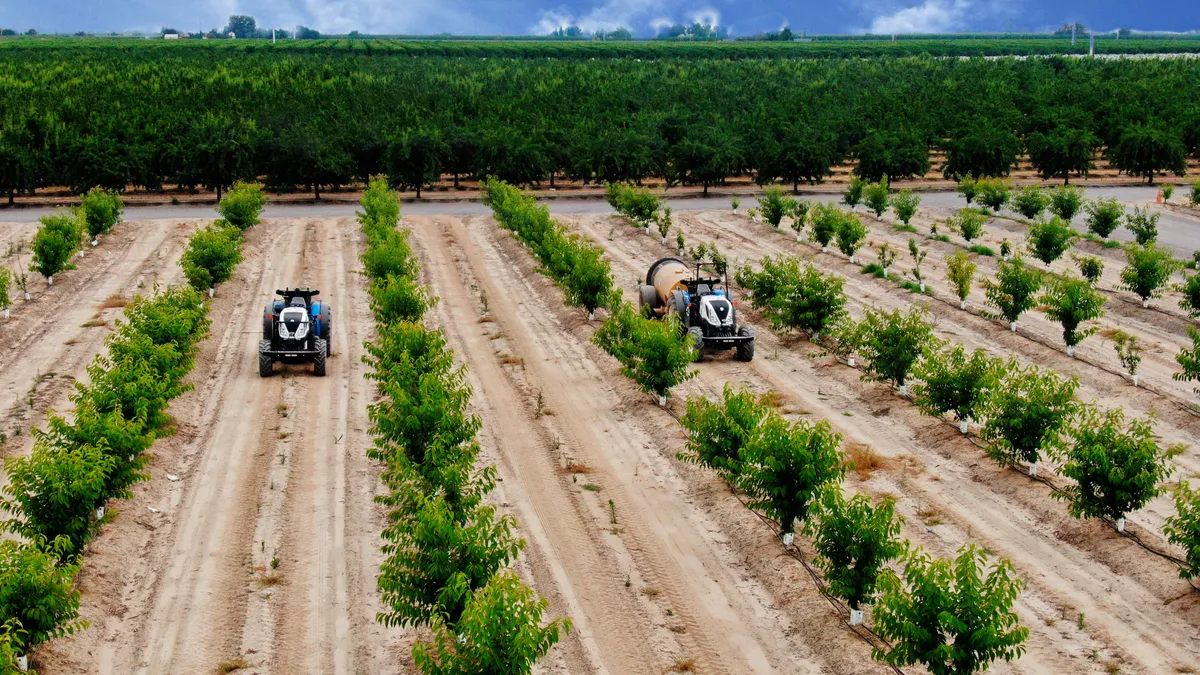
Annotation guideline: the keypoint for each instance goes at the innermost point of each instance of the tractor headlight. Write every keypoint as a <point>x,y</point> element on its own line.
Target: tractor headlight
<point>283,331</point>
<point>301,331</point>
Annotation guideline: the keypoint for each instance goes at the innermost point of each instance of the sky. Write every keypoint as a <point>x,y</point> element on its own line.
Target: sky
<point>643,17</point>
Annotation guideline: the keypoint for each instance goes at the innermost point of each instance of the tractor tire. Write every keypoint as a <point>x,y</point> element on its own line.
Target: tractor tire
<point>266,364</point>
<point>648,298</point>
<point>322,348</point>
<point>697,335</point>
<point>268,324</point>
<point>745,350</point>
<point>328,336</point>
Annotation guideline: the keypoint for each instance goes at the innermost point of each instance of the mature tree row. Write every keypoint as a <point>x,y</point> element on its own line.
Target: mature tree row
<point>151,117</point>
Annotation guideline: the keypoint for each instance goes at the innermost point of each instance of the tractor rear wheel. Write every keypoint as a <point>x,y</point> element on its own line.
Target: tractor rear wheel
<point>266,364</point>
<point>648,298</point>
<point>745,350</point>
<point>329,334</point>
<point>268,324</point>
<point>697,335</point>
<point>322,348</point>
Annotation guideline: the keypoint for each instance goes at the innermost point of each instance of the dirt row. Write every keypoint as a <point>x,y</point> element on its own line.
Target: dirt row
<point>949,491</point>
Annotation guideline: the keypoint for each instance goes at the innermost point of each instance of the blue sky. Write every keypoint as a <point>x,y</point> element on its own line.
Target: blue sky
<point>642,16</point>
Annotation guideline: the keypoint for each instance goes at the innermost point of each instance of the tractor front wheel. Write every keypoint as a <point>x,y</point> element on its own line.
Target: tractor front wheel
<point>266,364</point>
<point>745,350</point>
<point>322,348</point>
<point>697,335</point>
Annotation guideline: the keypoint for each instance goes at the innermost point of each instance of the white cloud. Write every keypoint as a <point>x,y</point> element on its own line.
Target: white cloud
<point>931,16</point>
<point>605,16</point>
<point>706,16</point>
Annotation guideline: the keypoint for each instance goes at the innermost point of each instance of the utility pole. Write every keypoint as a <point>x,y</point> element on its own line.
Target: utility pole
<point>1092,46</point>
<point>272,36</point>
<point>1073,34</point>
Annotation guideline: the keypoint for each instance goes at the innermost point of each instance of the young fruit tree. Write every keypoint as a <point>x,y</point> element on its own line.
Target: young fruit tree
<point>1149,269</point>
<point>826,221</point>
<point>891,342</point>
<point>500,633</point>
<point>1049,240</point>
<point>659,356</point>
<point>1065,201</point>
<point>800,216</point>
<point>793,297</point>
<point>786,466</point>
<point>718,431</point>
<point>1129,353</point>
<point>905,204</point>
<point>774,205</point>
<point>918,257</point>
<point>1194,194</point>
<point>242,205</point>
<point>1183,528</point>
<point>1190,288</point>
<point>853,195</point>
<point>968,223</point>
<point>850,235</point>
<point>1030,201</point>
<point>1027,414</point>
<point>663,222</point>
<point>1168,190</point>
<point>1143,224</point>
<point>53,492</point>
<point>960,271</point>
<point>875,197</point>
<point>1012,293</point>
<point>993,193</point>
<point>1189,360</point>
<point>1090,268</point>
<point>589,283</point>
<point>853,541</point>
<point>399,298</point>
<point>101,211</point>
<point>951,381</point>
<point>968,187</point>
<point>1117,468</point>
<point>5,282</point>
<point>955,618</point>
<point>55,242</point>
<point>211,255</point>
<point>37,589</point>
<point>1071,302</point>
<point>884,258</point>
<point>1104,215</point>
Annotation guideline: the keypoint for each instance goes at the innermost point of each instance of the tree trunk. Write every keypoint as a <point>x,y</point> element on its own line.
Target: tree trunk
<point>705,188</point>
<point>219,191</point>
<point>418,191</point>
<point>317,190</point>
<point>795,186</point>
<point>455,181</point>
<point>12,196</point>
<point>551,179</point>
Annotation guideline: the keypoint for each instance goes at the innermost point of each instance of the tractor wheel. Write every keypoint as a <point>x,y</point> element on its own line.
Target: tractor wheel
<point>322,348</point>
<point>648,297</point>
<point>697,335</point>
<point>266,364</point>
<point>328,336</point>
<point>268,325</point>
<point>745,350</point>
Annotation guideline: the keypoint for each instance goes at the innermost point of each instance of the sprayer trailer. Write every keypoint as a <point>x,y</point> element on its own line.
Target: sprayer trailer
<point>296,329</point>
<point>699,296</point>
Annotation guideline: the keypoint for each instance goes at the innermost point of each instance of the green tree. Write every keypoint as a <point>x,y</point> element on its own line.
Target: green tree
<point>1062,151</point>
<point>786,466</point>
<point>993,193</point>
<point>500,633</point>
<point>853,195</point>
<point>399,298</point>
<point>217,151</point>
<point>905,204</point>
<point>792,295</point>
<point>955,618</point>
<point>827,219</point>
<point>6,278</point>
<point>853,541</point>
<point>242,205</point>
<point>718,431</point>
<point>968,223</point>
<point>1066,201</point>
<point>1117,468</point>
<point>982,149</point>
<point>1090,268</point>
<point>1147,149</point>
<point>55,242</point>
<point>1012,294</point>
<point>211,255</point>
<point>1129,353</point>
<point>415,160</point>
<point>953,381</point>
<point>891,342</point>
<point>1050,239</point>
<point>1027,414</point>
<point>1030,201</point>
<point>968,187</point>
<point>1189,359</point>
<point>885,152</point>
<point>101,211</point>
<point>960,271</point>
<point>242,26</point>
<point>37,589</point>
<point>1143,224</point>
<point>1104,215</point>
<point>876,197</point>
<point>53,491</point>
<point>637,204</point>
<point>850,235</point>
<point>1071,302</point>
<point>590,283</point>
<point>1148,270</point>
<point>774,205</point>
<point>1190,288</point>
<point>1183,528</point>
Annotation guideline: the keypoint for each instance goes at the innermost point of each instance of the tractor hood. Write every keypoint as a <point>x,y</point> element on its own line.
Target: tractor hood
<point>716,310</point>
<point>293,323</point>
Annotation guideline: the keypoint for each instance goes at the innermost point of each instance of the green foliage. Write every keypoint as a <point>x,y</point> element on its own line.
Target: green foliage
<point>853,195</point>
<point>500,633</point>
<point>211,255</point>
<point>960,271</point>
<point>1168,191</point>
<point>242,205</point>
<point>1071,302</point>
<point>718,431</point>
<point>968,223</point>
<point>1005,249</point>
<point>1189,359</point>
<point>993,193</point>
<point>1030,201</point>
<point>37,591</point>
<point>1116,467</point>
<point>55,242</point>
<point>398,298</point>
<point>955,618</point>
<point>5,281</point>
<point>381,206</point>
<point>654,354</point>
<point>850,234</point>
<point>1143,224</point>
<point>1090,268</point>
<point>1148,270</point>
<point>1104,215</point>
<point>1147,149</point>
<point>876,197</point>
<point>792,295</point>
<point>389,254</point>
<point>853,541</point>
<point>1190,288</point>
<point>1065,201</point>
<point>1194,195</point>
<point>101,210</point>
<point>827,220</point>
<point>1027,414</point>
<point>1013,291</point>
<point>1049,240</point>
<point>1129,352</point>
<point>787,465</point>
<point>1183,528</point>
<point>891,342</point>
<point>953,381</point>
<point>905,204</point>
<point>637,204</point>
<point>53,491</point>
<point>968,187</point>
<point>918,257</point>
<point>885,257</point>
<point>775,204</point>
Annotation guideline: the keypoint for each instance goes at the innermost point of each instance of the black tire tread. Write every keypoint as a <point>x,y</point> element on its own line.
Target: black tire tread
<point>319,360</point>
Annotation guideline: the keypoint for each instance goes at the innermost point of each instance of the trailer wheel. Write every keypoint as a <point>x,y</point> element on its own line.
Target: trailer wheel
<point>697,335</point>
<point>648,297</point>
<point>319,360</point>
<point>745,350</point>
<point>266,364</point>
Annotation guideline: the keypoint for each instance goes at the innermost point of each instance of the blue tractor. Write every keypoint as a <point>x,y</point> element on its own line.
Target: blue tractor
<point>296,329</point>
